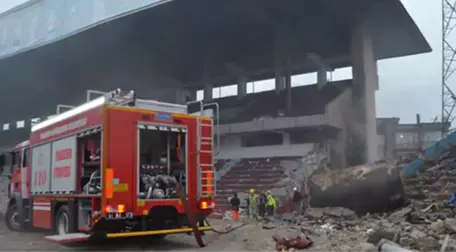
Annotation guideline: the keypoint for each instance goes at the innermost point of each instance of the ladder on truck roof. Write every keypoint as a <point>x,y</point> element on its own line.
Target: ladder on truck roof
<point>128,98</point>
<point>120,97</point>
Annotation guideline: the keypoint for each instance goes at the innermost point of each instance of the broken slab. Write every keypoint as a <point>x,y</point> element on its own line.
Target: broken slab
<point>450,224</point>
<point>401,213</point>
<point>365,189</point>
<point>338,212</point>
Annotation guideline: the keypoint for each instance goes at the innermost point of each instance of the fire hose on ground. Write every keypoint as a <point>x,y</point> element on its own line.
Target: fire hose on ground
<point>193,220</point>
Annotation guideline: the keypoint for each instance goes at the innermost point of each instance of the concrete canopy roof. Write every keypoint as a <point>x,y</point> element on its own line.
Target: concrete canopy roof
<point>167,45</point>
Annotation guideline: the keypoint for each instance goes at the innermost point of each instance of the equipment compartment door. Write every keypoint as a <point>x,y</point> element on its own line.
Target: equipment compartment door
<point>63,178</point>
<point>41,165</point>
<point>162,162</point>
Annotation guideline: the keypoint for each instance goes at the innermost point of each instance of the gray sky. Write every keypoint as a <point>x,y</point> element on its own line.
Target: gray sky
<point>408,85</point>
<point>8,4</point>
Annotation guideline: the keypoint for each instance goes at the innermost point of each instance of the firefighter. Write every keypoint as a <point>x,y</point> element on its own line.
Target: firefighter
<point>271,204</point>
<point>253,204</point>
<point>235,202</point>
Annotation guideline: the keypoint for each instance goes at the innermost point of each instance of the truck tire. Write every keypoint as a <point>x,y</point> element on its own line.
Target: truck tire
<point>12,218</point>
<point>63,222</point>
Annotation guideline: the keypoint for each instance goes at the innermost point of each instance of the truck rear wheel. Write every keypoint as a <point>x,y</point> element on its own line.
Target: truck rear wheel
<point>63,223</point>
<point>12,218</point>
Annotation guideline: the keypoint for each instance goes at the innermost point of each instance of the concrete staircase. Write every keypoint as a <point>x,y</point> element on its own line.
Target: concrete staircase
<point>225,168</point>
<point>258,174</point>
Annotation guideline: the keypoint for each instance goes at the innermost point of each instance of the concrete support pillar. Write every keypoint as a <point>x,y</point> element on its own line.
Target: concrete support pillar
<point>322,79</point>
<point>207,83</point>
<point>390,139</point>
<point>364,126</point>
<point>288,105</point>
<point>279,62</point>
<point>286,138</point>
<point>207,92</point>
<point>185,95</point>
<point>279,80</point>
<point>242,86</point>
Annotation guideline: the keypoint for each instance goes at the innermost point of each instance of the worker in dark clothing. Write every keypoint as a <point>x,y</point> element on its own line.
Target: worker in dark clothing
<point>235,202</point>
<point>305,196</point>
<point>297,199</point>
<point>262,205</point>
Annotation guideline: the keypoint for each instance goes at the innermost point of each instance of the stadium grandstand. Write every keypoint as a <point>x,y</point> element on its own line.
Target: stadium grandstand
<point>169,49</point>
<point>263,148</point>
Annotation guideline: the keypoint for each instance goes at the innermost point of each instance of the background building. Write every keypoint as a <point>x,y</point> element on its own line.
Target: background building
<point>396,140</point>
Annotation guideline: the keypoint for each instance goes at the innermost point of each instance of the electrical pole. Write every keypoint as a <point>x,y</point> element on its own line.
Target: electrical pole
<point>448,60</point>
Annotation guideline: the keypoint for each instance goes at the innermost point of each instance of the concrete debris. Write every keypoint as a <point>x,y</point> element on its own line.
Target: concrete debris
<point>450,224</point>
<point>295,173</point>
<point>340,229</point>
<point>401,213</point>
<point>438,227</point>
<point>347,213</point>
<point>367,188</point>
<point>365,247</point>
<point>330,212</point>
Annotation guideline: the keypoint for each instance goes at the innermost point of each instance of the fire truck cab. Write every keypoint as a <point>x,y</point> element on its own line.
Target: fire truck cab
<point>115,166</point>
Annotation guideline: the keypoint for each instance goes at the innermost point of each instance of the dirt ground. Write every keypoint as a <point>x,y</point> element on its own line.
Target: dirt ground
<point>33,241</point>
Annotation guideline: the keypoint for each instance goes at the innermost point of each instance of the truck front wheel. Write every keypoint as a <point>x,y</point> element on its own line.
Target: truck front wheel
<point>63,223</point>
<point>12,218</point>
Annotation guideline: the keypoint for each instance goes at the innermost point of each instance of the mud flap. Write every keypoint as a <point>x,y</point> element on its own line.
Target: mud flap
<point>68,239</point>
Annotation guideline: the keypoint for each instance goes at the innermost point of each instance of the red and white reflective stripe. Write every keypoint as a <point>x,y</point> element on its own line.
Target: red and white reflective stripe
<point>42,206</point>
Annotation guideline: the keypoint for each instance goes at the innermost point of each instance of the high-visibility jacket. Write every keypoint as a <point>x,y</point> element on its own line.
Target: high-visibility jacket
<point>253,200</point>
<point>271,201</point>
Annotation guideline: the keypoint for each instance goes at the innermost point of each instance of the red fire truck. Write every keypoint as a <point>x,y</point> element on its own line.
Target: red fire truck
<point>115,166</point>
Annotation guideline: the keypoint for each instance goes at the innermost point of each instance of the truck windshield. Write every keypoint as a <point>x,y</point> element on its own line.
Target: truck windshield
<point>162,162</point>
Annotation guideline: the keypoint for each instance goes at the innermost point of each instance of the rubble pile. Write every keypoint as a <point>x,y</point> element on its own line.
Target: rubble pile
<point>340,229</point>
<point>365,208</point>
<point>295,173</point>
<point>434,183</point>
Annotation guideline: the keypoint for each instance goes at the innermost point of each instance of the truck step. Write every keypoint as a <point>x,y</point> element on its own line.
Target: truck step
<point>68,238</point>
